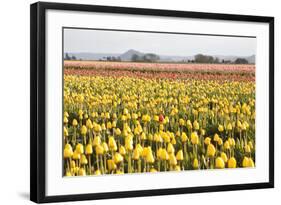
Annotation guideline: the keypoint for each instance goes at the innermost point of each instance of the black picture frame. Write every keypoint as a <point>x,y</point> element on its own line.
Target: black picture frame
<point>38,100</point>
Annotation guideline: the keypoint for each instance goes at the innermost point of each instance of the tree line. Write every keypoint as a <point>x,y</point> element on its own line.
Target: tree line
<point>151,57</point>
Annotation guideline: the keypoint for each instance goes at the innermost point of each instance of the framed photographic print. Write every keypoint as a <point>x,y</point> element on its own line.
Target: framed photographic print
<point>129,102</point>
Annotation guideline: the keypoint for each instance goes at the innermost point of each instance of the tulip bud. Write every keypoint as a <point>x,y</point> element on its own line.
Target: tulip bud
<point>226,145</point>
<point>247,149</point>
<point>216,137</point>
<point>117,131</point>
<point>196,125</point>
<point>68,152</point>
<point>220,128</point>
<point>207,141</point>
<point>219,163</point>
<point>224,157</point>
<point>89,149</point>
<point>83,130</point>
<point>152,170</point>
<point>111,165</point>
<point>83,160</point>
<point>82,172</point>
<point>177,168</point>
<point>97,172</point>
<point>112,144</point>
<point>211,150</point>
<point>150,158</point>
<point>97,140</point>
<point>117,158</point>
<point>181,122</point>
<point>76,155</point>
<point>105,147</point>
<point>164,155</point>
<point>179,155</point>
<point>245,162</point>
<point>65,120</point>
<point>99,150</point>
<point>194,138</point>
<point>65,131</point>
<point>232,163</point>
<point>170,148</point>
<point>172,160</point>
<point>184,137</point>
<point>195,163</point>
<point>122,150</point>
<point>79,148</point>
<point>136,154</point>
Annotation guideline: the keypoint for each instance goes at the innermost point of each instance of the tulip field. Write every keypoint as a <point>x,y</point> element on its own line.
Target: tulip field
<point>124,118</point>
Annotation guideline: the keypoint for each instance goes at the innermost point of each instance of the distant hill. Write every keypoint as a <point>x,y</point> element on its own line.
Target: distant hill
<point>127,56</point>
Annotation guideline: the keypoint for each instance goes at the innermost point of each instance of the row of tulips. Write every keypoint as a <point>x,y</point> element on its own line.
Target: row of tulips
<point>130,125</point>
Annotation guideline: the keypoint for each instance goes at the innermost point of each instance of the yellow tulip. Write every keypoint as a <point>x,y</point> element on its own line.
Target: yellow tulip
<point>232,163</point>
<point>207,140</point>
<point>196,125</point>
<point>129,143</point>
<point>65,131</point>
<point>216,137</point>
<point>247,148</point>
<point>111,165</point>
<point>105,147</point>
<point>136,154</point>
<point>118,158</point>
<point>164,155</point>
<point>211,150</point>
<point>224,157</point>
<point>170,148</point>
<point>68,174</point>
<point>179,155</point>
<point>220,142</point>
<point>117,131</point>
<point>68,152</point>
<point>96,141</point>
<point>152,170</point>
<point>226,145</point>
<point>112,144</point>
<point>194,138</point>
<point>99,150</point>
<point>76,155</point>
<point>177,168</point>
<point>188,124</point>
<point>97,172</point>
<point>83,159</point>
<point>79,148</point>
<point>98,128</point>
<point>229,126</point>
<point>184,137</point>
<point>119,172</point>
<point>219,163</point>
<point>83,130</point>
<point>82,172</point>
<point>122,150</point>
<point>172,160</point>
<point>181,122</point>
<point>195,163</point>
<point>89,149</point>
<point>149,157</point>
<point>221,128</point>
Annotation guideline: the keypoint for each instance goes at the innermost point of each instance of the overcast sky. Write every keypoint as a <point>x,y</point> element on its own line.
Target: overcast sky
<point>96,41</point>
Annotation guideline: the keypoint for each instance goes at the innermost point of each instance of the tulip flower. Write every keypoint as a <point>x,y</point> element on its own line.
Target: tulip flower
<point>219,163</point>
<point>232,163</point>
